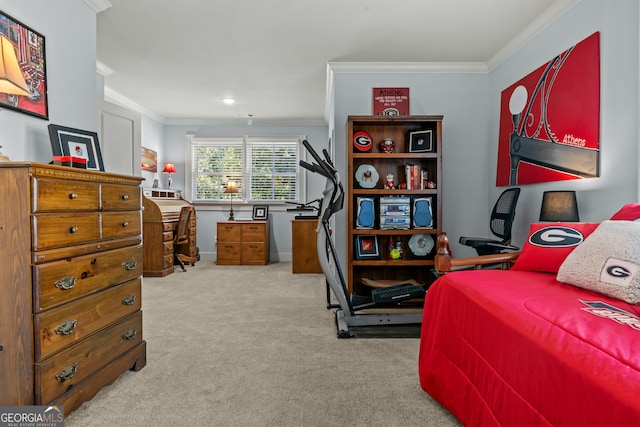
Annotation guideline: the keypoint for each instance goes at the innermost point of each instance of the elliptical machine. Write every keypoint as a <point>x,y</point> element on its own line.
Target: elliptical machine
<point>347,315</point>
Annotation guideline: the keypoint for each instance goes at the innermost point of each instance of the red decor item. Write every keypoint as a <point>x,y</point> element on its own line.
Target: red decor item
<point>391,101</point>
<point>76,162</point>
<point>387,146</point>
<point>362,141</point>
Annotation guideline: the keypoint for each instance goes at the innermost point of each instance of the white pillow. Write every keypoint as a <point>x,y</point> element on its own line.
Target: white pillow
<point>607,262</point>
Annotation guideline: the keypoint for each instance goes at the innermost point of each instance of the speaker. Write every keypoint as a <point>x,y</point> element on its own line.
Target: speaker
<point>366,213</point>
<point>422,215</point>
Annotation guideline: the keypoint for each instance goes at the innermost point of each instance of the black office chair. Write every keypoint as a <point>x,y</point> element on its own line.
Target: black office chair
<point>502,217</point>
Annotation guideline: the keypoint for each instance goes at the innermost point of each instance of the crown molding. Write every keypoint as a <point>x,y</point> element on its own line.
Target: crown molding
<point>117,98</point>
<point>98,5</point>
<point>551,14</point>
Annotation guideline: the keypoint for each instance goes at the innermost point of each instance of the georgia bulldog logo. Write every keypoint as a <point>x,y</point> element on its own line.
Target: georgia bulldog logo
<point>556,237</point>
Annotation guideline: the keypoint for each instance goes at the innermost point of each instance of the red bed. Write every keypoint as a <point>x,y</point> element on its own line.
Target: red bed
<point>518,348</point>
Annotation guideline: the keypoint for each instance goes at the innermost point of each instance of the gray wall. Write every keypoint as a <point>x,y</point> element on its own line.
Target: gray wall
<point>470,104</point>
<point>69,28</point>
<point>210,214</point>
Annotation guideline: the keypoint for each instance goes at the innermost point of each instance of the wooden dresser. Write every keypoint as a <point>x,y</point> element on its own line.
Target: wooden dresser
<point>243,243</point>
<point>70,318</point>
<point>160,219</point>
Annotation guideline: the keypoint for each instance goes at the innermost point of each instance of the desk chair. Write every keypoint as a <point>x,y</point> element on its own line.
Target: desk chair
<point>181,238</point>
<point>502,217</point>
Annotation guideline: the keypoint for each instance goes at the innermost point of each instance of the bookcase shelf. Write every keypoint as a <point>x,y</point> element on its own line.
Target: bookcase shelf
<point>368,248</point>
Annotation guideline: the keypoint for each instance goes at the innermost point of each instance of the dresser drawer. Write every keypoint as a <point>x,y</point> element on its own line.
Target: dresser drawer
<point>54,230</point>
<point>62,195</point>
<point>229,253</point>
<point>120,224</point>
<point>229,232</point>
<point>57,282</point>
<point>253,253</point>
<point>167,247</point>
<point>62,326</point>
<point>120,198</point>
<point>253,233</point>
<point>67,369</point>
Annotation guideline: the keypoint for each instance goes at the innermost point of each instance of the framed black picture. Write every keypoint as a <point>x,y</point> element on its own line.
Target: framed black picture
<point>421,141</point>
<point>260,212</point>
<point>67,141</point>
<point>22,61</point>
<point>367,247</point>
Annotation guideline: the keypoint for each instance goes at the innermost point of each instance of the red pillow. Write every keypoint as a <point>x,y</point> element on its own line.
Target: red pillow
<point>549,243</point>
<point>629,212</point>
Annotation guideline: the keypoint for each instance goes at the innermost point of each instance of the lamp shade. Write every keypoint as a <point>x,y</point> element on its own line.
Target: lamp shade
<point>11,78</point>
<point>232,188</point>
<point>559,206</point>
<point>169,168</point>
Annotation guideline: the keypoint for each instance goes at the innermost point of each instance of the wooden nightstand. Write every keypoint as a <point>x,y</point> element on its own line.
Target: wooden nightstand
<point>243,243</point>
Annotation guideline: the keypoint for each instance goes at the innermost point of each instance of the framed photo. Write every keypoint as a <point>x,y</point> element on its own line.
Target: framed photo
<point>149,160</point>
<point>24,62</point>
<point>367,247</point>
<point>421,141</point>
<point>260,212</point>
<point>77,143</point>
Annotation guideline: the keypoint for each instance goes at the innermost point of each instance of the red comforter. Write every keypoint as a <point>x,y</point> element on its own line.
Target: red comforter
<point>518,348</point>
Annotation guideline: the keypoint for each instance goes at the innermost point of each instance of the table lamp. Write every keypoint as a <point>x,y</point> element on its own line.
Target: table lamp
<point>169,168</point>
<point>559,206</point>
<point>231,189</point>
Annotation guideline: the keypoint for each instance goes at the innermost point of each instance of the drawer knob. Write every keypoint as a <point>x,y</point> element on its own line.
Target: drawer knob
<point>67,328</point>
<point>125,224</point>
<point>129,265</point>
<point>125,197</point>
<point>129,300</point>
<point>66,283</point>
<point>67,373</point>
<point>73,230</point>
<point>130,334</point>
<point>73,196</point>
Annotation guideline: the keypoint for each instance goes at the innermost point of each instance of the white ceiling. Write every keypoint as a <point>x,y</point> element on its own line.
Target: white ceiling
<point>175,60</point>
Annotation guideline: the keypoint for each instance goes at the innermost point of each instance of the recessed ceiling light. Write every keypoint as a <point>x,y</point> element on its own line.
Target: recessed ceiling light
<point>228,101</point>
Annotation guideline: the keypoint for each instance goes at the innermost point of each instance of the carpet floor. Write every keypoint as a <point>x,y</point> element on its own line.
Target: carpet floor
<point>256,346</point>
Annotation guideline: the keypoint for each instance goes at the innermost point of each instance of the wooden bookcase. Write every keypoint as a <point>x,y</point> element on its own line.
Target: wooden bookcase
<point>398,129</point>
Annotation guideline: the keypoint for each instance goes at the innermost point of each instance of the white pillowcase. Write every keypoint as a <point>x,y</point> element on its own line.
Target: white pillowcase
<point>607,262</point>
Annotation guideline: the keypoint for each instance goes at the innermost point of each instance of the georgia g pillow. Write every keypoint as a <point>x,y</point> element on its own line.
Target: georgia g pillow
<point>549,243</point>
<point>608,262</point>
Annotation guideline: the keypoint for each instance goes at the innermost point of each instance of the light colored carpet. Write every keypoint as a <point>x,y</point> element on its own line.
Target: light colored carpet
<point>256,346</point>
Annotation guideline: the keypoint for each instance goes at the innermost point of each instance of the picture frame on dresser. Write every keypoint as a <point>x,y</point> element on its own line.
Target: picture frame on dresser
<point>260,212</point>
<point>66,141</point>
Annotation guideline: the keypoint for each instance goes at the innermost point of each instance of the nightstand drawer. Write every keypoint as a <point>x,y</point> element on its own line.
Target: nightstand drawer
<point>50,196</point>
<point>51,231</point>
<point>62,326</point>
<point>253,232</point>
<point>229,253</point>
<point>57,282</point>
<point>229,233</point>
<point>67,369</point>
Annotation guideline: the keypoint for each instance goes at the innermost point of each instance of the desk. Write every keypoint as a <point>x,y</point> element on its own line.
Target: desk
<point>303,246</point>
<point>159,221</point>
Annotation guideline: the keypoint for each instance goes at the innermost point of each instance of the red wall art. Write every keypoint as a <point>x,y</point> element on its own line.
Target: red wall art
<point>550,120</point>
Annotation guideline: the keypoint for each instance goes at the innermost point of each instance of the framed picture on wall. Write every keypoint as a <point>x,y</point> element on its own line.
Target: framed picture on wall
<point>84,144</point>
<point>149,160</point>
<point>22,59</point>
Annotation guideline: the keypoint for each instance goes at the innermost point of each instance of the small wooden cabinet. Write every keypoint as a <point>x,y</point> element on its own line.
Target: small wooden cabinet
<point>304,253</point>
<point>70,316</point>
<point>243,243</point>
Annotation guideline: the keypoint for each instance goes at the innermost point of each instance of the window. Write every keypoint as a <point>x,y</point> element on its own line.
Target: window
<point>264,169</point>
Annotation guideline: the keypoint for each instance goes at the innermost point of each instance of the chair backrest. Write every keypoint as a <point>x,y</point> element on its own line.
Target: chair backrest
<point>503,214</point>
<point>183,223</point>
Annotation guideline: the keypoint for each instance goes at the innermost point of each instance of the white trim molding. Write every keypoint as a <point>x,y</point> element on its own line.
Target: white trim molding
<point>98,5</point>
